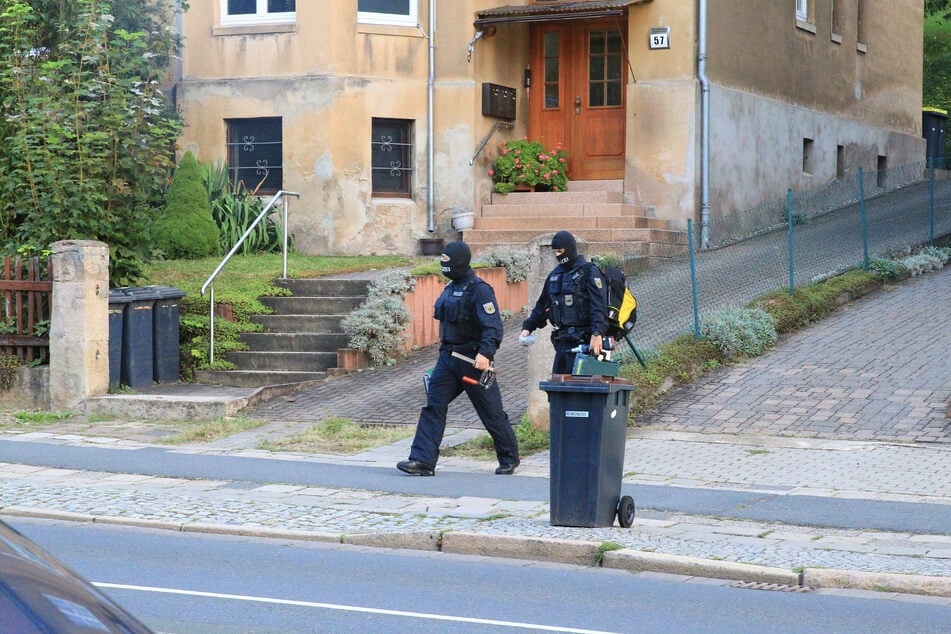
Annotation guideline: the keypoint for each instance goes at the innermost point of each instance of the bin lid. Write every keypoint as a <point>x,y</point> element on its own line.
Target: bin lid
<point>118,296</point>
<point>585,384</point>
<point>168,292</point>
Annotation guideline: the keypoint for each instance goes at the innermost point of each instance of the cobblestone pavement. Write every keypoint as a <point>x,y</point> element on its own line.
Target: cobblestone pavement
<point>877,369</point>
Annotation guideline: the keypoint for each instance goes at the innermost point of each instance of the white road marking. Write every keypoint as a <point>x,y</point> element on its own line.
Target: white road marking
<point>346,608</point>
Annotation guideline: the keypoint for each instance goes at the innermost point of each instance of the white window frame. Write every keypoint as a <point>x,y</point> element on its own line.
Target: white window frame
<point>802,10</point>
<point>392,19</point>
<point>261,16</point>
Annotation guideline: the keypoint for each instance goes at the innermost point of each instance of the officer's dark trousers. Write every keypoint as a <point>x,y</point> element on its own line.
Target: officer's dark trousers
<point>564,358</point>
<point>444,386</point>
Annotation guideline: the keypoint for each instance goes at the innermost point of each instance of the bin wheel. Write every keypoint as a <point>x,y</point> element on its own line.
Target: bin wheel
<point>625,511</point>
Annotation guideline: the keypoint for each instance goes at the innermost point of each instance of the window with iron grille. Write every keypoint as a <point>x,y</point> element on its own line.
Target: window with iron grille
<point>392,162</point>
<point>257,11</point>
<point>395,12</point>
<point>255,153</point>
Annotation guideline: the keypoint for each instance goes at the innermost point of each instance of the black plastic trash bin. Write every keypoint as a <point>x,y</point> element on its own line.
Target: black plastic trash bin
<point>588,421</point>
<point>118,302</point>
<point>165,339</point>
<point>137,337</point>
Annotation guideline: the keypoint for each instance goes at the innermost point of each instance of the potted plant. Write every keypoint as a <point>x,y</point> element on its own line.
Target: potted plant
<point>527,163</point>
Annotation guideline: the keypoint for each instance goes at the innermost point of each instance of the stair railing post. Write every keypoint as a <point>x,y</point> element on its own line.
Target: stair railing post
<point>211,323</point>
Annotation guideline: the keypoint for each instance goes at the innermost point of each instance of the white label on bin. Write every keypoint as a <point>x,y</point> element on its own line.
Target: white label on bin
<point>613,412</point>
<point>571,413</point>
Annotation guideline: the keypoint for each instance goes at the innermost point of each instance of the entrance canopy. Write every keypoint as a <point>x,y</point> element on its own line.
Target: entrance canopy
<point>552,11</point>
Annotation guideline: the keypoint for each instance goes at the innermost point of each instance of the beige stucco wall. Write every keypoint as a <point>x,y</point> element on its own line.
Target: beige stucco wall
<point>663,133</point>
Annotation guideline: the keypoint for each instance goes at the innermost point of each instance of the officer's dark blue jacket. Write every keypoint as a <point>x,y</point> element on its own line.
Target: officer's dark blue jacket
<point>469,317</point>
<point>575,299</point>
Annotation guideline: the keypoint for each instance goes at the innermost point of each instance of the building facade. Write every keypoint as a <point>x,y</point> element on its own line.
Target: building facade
<point>386,115</point>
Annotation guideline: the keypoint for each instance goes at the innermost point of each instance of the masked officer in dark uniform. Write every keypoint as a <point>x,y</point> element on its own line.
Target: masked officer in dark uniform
<point>469,323</point>
<point>574,300</point>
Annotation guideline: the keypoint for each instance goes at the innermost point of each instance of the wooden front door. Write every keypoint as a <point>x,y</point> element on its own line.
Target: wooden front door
<point>578,94</point>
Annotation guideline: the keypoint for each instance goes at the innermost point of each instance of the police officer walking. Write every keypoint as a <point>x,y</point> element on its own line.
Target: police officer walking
<point>470,325</point>
<point>574,300</point>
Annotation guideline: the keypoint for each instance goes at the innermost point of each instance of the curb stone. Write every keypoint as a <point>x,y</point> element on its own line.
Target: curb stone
<point>552,550</point>
<point>879,581</point>
<point>639,560</point>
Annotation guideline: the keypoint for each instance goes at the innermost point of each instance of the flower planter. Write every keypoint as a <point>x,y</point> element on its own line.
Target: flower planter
<point>463,220</point>
<point>423,329</point>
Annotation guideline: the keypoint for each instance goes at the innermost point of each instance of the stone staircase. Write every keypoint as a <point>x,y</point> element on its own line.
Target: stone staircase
<point>594,211</point>
<point>300,340</point>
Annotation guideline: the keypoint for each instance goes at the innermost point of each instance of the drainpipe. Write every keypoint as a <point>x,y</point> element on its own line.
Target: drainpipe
<point>704,128</point>
<point>430,206</point>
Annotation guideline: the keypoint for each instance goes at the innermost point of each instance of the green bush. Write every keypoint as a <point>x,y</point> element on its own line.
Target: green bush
<point>186,229</point>
<point>517,262</point>
<point>377,327</point>
<point>887,269</point>
<point>740,332</point>
<point>234,208</point>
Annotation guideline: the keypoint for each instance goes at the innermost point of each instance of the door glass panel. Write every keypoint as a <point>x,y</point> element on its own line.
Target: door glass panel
<point>596,46</point>
<point>596,94</point>
<point>596,68</point>
<point>552,69</point>
<point>604,68</point>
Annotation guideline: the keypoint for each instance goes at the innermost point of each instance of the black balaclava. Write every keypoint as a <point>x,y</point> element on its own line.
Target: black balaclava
<point>566,241</point>
<point>455,260</point>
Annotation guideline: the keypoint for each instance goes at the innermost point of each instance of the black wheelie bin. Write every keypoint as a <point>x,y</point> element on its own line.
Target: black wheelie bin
<point>588,426</point>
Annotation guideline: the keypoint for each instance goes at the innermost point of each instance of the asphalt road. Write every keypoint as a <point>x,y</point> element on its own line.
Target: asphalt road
<point>209,584</point>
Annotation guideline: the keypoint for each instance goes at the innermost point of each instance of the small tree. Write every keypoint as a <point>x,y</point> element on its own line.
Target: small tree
<point>186,228</point>
<point>87,132</point>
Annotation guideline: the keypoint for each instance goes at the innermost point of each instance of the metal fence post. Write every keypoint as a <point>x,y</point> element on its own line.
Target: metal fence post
<point>789,223</point>
<point>693,280</point>
<point>865,263</point>
<point>931,200</point>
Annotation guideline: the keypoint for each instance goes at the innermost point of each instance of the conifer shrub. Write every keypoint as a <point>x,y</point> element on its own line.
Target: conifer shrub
<point>739,332</point>
<point>186,229</point>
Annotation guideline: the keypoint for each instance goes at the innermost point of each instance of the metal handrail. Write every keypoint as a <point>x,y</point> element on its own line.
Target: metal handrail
<point>210,281</point>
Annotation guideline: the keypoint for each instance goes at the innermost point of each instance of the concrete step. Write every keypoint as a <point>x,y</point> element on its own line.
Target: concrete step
<point>627,249</point>
<point>313,305</point>
<point>562,210</point>
<point>253,378</point>
<point>602,185</point>
<point>299,323</point>
<point>545,224</point>
<point>289,361</point>
<point>524,236</point>
<point>557,198</point>
<point>322,287</point>
<point>299,341</point>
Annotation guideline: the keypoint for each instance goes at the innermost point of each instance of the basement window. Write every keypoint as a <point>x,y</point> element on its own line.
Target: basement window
<point>807,159</point>
<point>392,157</point>
<point>256,154</point>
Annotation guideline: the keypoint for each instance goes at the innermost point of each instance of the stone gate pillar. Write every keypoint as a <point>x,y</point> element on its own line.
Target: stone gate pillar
<point>79,322</point>
<point>542,353</point>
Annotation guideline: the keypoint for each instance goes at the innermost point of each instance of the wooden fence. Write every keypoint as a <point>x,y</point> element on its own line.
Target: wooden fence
<point>26,292</point>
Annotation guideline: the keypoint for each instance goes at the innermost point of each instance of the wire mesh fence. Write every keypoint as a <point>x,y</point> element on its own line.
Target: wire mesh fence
<point>836,227</point>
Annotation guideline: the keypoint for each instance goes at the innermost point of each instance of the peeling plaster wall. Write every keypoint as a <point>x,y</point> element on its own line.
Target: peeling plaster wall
<point>757,148</point>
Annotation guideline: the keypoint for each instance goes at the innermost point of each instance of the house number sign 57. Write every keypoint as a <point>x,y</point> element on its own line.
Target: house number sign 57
<point>660,37</point>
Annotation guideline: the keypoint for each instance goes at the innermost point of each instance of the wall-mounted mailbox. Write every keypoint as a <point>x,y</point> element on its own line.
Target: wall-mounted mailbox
<point>498,101</point>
